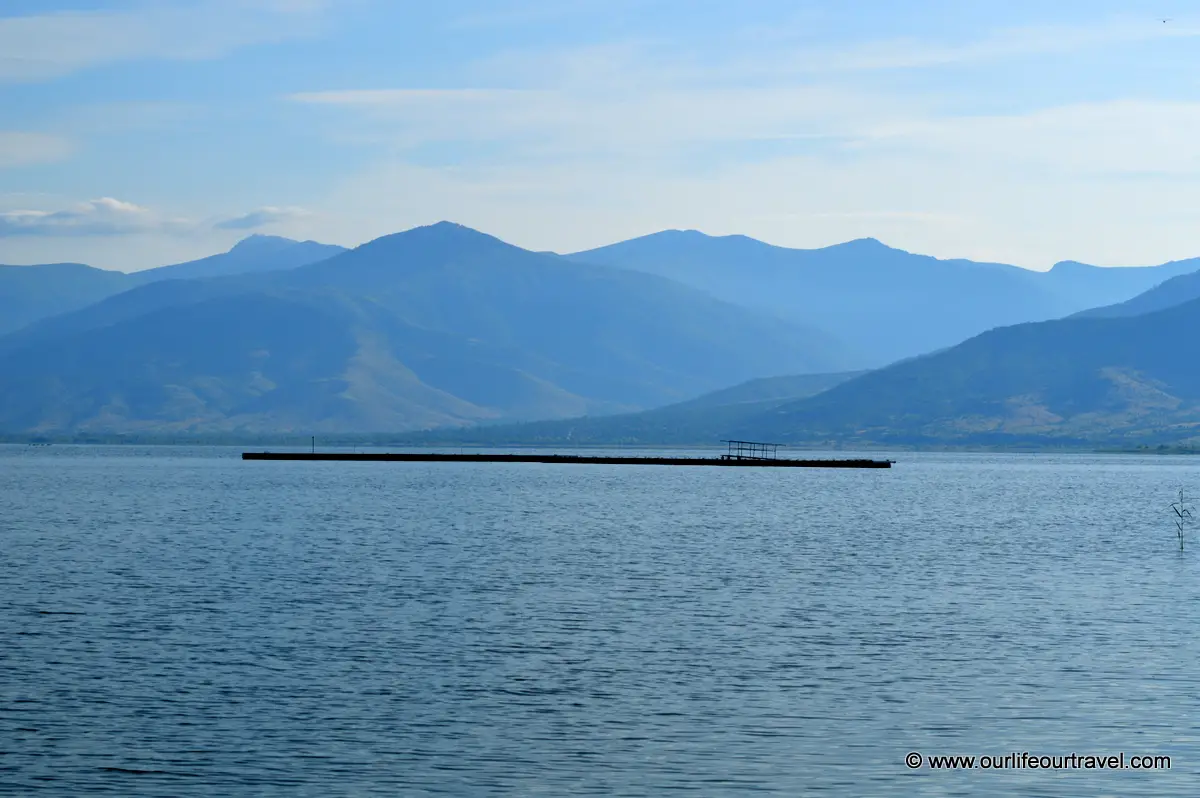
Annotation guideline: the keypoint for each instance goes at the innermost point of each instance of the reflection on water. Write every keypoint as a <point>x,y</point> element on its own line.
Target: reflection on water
<point>180,622</point>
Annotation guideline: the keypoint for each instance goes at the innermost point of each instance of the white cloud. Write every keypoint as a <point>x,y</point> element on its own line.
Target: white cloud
<point>782,53</point>
<point>630,99</point>
<point>1000,45</point>
<point>117,117</point>
<point>262,217</point>
<point>801,146</point>
<point>1099,182</point>
<point>584,120</point>
<point>116,234</point>
<point>790,139</point>
<point>100,217</point>
<point>106,217</point>
<point>50,45</point>
<point>18,148</point>
<point>877,215</point>
<point>503,15</point>
<point>982,209</point>
<point>384,98</point>
<point>1098,139</point>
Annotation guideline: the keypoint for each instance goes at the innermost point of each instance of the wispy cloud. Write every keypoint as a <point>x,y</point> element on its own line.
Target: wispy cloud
<point>782,53</point>
<point>1000,45</point>
<point>18,148</point>
<point>100,217</point>
<point>1111,139</point>
<point>113,217</point>
<point>90,119</point>
<point>503,15</point>
<point>50,45</point>
<point>799,138</point>
<point>639,97</point>
<point>1001,134</point>
<point>584,120</point>
<point>884,215</point>
<point>262,217</point>
<point>397,98</point>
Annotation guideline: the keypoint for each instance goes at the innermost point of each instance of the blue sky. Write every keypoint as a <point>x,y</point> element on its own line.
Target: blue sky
<point>139,133</point>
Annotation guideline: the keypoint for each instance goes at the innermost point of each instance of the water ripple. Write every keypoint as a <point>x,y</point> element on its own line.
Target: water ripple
<point>177,622</point>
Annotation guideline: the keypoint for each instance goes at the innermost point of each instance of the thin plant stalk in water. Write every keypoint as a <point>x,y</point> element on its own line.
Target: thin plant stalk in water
<point>1183,516</point>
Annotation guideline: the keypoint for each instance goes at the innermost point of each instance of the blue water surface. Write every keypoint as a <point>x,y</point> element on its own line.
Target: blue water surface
<point>178,622</point>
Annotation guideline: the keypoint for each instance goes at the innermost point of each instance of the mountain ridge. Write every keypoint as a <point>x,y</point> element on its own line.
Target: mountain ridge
<point>29,294</point>
<point>885,302</point>
<point>1099,380</point>
<point>440,325</point>
<point>449,326</point>
<point>701,420</point>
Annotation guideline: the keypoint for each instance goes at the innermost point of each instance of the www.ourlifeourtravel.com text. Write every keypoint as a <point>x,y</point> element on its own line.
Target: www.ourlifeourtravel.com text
<point>1023,760</point>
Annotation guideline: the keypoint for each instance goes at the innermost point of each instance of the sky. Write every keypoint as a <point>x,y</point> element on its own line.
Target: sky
<point>137,133</point>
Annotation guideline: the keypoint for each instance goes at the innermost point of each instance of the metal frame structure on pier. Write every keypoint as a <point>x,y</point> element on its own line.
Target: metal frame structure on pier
<point>751,450</point>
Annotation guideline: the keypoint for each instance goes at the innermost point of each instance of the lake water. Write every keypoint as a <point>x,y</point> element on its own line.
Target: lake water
<point>178,622</point>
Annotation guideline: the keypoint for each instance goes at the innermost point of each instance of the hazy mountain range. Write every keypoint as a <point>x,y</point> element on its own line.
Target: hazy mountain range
<point>443,326</point>
<point>438,325</point>
<point>1114,380</point>
<point>1087,380</point>
<point>1166,294</point>
<point>704,420</point>
<point>885,303</point>
<point>30,293</point>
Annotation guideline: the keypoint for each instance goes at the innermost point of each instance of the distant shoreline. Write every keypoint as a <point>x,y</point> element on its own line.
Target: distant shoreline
<point>399,442</point>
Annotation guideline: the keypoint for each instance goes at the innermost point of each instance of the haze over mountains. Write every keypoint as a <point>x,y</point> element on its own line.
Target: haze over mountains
<point>258,253</point>
<point>30,293</point>
<point>704,420</point>
<point>1111,380</point>
<point>885,303</point>
<point>1114,380</point>
<point>437,325</point>
<point>443,326</point>
<point>1167,294</point>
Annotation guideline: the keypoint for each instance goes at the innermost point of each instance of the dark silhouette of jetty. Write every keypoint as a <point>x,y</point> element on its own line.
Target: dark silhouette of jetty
<point>740,453</point>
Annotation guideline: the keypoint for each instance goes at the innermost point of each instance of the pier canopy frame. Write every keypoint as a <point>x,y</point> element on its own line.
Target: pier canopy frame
<point>751,450</point>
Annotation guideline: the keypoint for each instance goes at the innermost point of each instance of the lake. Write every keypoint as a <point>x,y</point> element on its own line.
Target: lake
<point>178,622</point>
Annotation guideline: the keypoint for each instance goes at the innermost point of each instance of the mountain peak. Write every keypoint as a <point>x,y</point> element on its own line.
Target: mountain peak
<point>685,238</point>
<point>696,237</point>
<point>258,241</point>
<point>438,235</point>
<point>865,245</point>
<point>1070,266</point>
<point>452,231</point>
<point>677,233</point>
